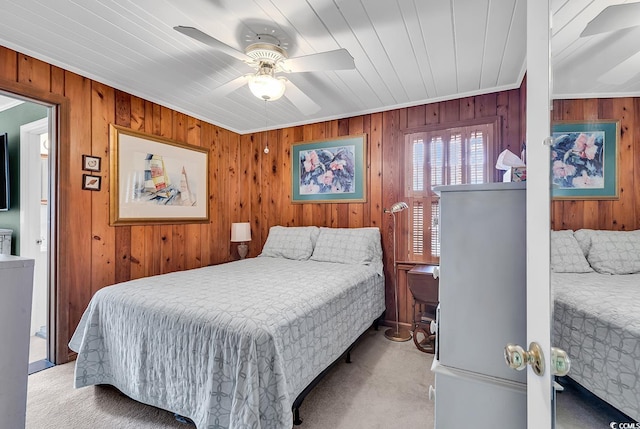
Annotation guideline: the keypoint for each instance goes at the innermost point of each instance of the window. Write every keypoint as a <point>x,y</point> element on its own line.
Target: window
<point>451,156</point>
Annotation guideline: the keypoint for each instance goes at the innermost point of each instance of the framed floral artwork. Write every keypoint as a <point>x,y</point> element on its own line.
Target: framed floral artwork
<point>584,160</point>
<point>329,171</point>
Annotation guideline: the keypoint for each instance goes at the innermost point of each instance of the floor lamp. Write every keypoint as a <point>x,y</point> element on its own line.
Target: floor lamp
<point>396,334</point>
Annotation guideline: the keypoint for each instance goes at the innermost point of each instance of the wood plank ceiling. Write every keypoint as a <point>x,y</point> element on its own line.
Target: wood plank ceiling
<point>598,65</point>
<point>406,52</point>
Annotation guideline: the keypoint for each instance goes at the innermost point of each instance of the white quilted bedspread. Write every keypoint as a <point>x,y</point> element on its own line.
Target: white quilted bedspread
<point>597,322</point>
<point>229,346</point>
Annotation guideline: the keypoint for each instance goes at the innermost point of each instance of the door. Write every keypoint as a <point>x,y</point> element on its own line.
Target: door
<point>539,388</point>
<point>34,172</point>
<point>595,54</point>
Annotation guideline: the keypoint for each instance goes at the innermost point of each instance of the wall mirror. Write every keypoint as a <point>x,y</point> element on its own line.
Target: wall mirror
<point>595,100</point>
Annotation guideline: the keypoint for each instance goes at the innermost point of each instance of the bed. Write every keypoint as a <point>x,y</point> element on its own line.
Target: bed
<point>596,284</point>
<point>234,345</point>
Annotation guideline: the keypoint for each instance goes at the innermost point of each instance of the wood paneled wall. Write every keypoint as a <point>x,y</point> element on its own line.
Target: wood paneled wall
<point>90,253</point>
<point>507,105</point>
<point>245,184</point>
<point>620,214</point>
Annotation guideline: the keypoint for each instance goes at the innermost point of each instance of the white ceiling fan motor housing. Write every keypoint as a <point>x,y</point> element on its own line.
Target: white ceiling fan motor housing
<point>266,53</point>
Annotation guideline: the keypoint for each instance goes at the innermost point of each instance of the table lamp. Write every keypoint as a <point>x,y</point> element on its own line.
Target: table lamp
<point>241,233</point>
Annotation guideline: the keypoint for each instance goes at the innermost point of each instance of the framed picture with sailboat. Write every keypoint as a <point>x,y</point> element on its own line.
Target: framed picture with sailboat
<point>155,180</point>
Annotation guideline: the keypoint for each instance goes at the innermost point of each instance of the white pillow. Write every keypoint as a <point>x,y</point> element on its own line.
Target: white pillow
<point>615,252</point>
<point>349,246</point>
<point>294,242</point>
<point>566,254</point>
<point>583,236</point>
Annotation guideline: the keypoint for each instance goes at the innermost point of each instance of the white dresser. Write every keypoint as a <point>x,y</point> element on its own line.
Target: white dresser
<point>482,306</point>
<point>16,288</point>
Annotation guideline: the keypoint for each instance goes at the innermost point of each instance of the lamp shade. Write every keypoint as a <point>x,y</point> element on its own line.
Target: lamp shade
<point>397,207</point>
<point>266,87</point>
<point>240,232</point>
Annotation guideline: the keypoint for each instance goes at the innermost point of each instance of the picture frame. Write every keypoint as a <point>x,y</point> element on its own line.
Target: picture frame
<point>91,182</point>
<point>156,180</point>
<point>91,163</point>
<point>329,171</point>
<point>584,160</point>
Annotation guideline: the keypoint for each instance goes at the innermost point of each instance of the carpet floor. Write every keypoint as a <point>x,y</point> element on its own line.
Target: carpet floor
<point>385,386</point>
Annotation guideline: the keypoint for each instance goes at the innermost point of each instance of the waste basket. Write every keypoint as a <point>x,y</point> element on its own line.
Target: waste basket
<point>5,241</point>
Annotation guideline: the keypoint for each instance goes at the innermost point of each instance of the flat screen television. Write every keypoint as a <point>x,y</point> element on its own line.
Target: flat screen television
<point>4,172</point>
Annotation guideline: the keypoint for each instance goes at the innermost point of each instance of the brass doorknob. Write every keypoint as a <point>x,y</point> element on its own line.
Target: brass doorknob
<point>517,358</point>
<point>560,362</point>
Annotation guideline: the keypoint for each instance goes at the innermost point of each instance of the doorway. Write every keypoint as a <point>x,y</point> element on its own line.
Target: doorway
<point>34,230</point>
<point>31,134</point>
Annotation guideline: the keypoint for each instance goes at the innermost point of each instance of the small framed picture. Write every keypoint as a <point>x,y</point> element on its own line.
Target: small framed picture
<point>91,182</point>
<point>90,163</point>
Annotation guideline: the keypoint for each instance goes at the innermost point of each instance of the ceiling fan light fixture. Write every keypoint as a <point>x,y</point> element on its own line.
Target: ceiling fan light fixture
<point>265,86</point>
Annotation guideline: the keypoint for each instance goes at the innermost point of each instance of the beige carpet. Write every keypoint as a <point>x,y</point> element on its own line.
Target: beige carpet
<point>385,386</point>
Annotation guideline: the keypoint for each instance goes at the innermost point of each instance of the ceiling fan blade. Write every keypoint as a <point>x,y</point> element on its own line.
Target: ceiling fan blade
<point>198,35</point>
<point>229,87</point>
<point>340,59</point>
<point>613,18</point>
<point>299,99</point>
<point>623,72</point>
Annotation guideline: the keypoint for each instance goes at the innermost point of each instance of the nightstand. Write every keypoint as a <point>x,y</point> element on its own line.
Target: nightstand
<point>424,288</point>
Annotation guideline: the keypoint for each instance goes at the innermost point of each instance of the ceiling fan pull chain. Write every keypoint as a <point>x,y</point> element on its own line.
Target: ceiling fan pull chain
<point>266,124</point>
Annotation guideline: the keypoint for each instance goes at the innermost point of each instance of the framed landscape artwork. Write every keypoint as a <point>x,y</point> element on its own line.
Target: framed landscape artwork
<point>154,180</point>
<point>584,160</point>
<point>329,171</point>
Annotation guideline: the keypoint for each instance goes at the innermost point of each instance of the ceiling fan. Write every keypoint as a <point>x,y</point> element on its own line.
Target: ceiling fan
<point>268,59</point>
<point>613,18</point>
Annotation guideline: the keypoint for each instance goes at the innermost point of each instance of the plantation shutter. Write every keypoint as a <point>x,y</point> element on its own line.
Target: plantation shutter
<point>442,157</point>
